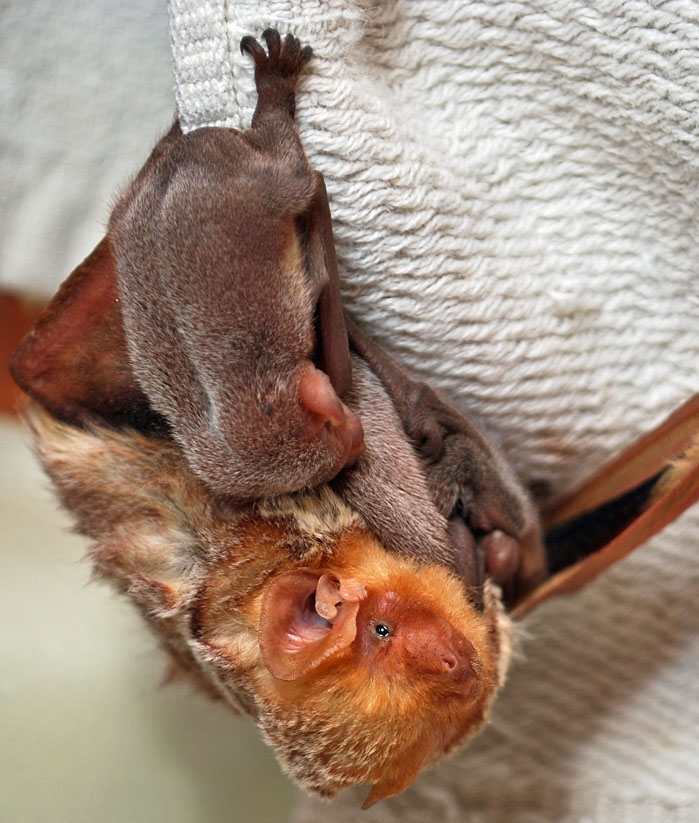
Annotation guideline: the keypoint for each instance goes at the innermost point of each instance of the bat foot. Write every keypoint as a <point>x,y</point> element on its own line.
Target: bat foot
<point>276,70</point>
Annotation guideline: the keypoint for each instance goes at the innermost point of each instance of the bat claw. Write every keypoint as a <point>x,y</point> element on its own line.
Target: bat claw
<point>248,45</point>
<point>274,43</point>
<point>276,70</point>
<point>292,47</point>
<point>284,60</point>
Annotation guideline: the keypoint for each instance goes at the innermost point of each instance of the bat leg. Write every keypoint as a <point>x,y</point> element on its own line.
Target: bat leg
<point>468,477</point>
<point>276,72</point>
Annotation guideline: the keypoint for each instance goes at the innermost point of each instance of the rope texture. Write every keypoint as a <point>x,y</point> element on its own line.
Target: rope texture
<point>514,195</point>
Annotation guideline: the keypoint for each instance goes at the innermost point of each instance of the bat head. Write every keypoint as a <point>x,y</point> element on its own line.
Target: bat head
<point>370,666</point>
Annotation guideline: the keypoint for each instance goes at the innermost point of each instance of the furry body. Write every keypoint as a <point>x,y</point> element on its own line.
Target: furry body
<point>334,615</point>
<point>325,575</point>
<point>199,579</point>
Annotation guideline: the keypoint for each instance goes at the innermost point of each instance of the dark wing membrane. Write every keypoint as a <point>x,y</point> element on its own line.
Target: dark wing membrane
<point>74,360</point>
<point>622,506</point>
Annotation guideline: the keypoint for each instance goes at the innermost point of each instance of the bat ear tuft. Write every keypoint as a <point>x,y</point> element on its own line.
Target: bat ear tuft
<point>307,616</point>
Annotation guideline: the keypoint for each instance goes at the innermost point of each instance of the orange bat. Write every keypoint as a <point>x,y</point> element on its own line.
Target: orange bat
<point>347,594</point>
<point>360,665</point>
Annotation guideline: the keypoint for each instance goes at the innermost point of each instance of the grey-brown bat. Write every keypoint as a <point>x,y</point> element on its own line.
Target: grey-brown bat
<point>313,534</point>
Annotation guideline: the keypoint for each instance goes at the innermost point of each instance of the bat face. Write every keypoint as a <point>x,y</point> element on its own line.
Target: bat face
<point>357,670</point>
<point>358,664</point>
<point>401,638</point>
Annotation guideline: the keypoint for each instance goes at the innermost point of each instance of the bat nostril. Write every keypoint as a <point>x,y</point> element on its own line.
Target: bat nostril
<point>449,662</point>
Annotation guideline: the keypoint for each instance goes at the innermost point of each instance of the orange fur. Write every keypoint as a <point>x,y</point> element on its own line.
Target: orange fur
<point>199,578</point>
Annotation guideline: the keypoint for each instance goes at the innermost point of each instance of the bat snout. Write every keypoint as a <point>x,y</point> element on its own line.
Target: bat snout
<point>452,667</point>
<point>440,651</point>
<point>459,674</point>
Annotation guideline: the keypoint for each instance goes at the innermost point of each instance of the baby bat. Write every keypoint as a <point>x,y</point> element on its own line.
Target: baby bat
<point>313,534</point>
<point>219,311</point>
<point>197,314</point>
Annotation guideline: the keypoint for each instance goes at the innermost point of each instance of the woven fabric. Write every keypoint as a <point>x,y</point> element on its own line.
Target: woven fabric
<point>514,195</point>
<point>85,90</point>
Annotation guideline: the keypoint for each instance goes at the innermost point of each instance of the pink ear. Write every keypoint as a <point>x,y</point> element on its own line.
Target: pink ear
<point>74,360</point>
<point>306,617</point>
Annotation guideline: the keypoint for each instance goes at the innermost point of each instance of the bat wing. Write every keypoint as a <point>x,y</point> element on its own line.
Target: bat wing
<point>74,360</point>
<point>621,506</point>
<point>471,483</point>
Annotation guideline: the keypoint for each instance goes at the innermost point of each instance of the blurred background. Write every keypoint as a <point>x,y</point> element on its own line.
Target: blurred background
<point>87,731</point>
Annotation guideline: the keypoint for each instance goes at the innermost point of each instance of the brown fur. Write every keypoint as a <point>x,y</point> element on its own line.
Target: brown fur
<point>193,323</point>
<point>199,580</point>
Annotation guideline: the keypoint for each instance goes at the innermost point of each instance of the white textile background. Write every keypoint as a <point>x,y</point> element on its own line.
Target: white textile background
<point>514,193</point>
<point>85,91</point>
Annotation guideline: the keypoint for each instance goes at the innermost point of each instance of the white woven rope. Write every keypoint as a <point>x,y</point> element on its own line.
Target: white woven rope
<point>514,195</point>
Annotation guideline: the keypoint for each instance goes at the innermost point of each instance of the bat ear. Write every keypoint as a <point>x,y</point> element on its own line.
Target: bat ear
<point>74,360</point>
<point>306,617</point>
<point>622,506</point>
<point>400,776</point>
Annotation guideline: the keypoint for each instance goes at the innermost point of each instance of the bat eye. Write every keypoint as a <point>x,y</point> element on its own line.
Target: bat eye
<point>382,630</point>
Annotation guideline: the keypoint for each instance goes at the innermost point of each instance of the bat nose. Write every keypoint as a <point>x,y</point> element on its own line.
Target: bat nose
<point>438,649</point>
<point>450,663</point>
<point>453,670</point>
<point>460,674</point>
<point>454,666</point>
